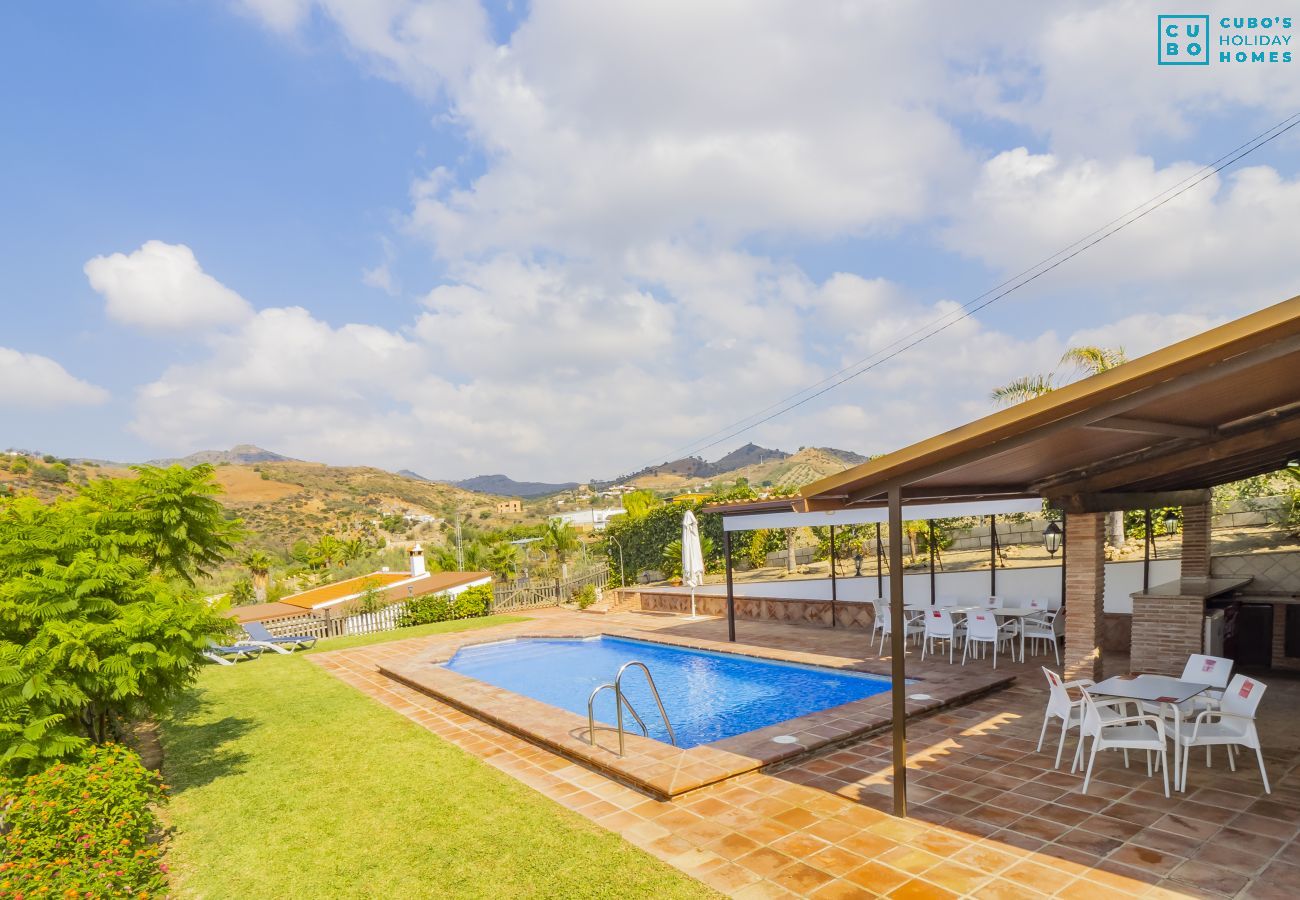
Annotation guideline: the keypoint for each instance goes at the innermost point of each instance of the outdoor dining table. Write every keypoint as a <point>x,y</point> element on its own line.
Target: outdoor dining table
<point>1008,612</point>
<point>1161,689</point>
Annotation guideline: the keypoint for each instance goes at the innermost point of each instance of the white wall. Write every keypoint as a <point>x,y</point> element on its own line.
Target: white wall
<point>1042,582</point>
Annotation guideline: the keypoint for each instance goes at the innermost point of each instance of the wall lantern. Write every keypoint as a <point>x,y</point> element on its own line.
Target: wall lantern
<point>1052,538</point>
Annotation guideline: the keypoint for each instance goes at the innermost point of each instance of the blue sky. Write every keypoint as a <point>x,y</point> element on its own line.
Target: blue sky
<point>564,242</point>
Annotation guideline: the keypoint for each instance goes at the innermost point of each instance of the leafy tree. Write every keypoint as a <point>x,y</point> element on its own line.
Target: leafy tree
<point>639,503</point>
<point>98,624</point>
<point>181,529</point>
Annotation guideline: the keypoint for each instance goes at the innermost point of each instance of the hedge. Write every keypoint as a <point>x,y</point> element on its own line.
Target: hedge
<point>468,604</point>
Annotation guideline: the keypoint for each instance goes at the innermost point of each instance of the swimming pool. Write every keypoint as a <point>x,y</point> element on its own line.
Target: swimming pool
<point>708,696</point>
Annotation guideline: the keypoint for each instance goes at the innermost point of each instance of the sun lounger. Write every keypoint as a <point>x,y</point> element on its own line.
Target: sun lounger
<point>259,636</point>
<point>228,655</point>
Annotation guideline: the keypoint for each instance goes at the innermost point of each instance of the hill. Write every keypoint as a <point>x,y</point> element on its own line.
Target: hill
<point>284,501</point>
<point>240,454</point>
<point>676,473</point>
<point>505,486</point>
<point>804,467</point>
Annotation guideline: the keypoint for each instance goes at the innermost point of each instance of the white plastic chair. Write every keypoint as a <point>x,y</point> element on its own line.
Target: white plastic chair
<point>1199,669</point>
<point>940,627</point>
<point>1060,706</point>
<point>1050,627</point>
<point>983,628</point>
<point>1140,732</point>
<point>1231,725</point>
<point>884,624</point>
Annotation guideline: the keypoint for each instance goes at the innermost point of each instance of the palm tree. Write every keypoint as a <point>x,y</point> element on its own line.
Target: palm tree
<point>353,549</point>
<point>671,560</point>
<point>1086,361</point>
<point>503,559</point>
<point>1024,388</point>
<point>561,539</point>
<point>1094,360</point>
<point>259,567</point>
<point>326,551</point>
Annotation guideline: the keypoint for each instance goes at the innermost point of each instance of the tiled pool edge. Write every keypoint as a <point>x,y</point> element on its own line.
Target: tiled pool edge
<point>661,770</point>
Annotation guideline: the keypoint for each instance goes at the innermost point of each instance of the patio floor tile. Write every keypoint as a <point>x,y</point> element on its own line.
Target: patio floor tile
<point>991,818</point>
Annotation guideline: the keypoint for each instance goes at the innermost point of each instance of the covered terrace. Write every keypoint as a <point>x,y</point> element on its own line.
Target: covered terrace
<point>1159,431</point>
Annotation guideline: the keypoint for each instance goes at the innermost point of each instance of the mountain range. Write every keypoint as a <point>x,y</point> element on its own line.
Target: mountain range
<point>760,465</point>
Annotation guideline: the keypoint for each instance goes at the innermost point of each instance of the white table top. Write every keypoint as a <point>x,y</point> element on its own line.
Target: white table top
<point>1155,688</point>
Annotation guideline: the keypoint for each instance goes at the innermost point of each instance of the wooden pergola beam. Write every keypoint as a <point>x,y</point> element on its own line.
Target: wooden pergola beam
<point>1154,463</point>
<point>1110,502</point>
<point>1146,426</point>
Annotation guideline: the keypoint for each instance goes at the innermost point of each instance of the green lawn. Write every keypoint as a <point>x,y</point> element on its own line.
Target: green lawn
<point>288,783</point>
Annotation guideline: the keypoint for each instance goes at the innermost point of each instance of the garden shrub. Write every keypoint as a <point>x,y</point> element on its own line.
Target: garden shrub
<point>84,828</point>
<point>468,604</point>
<point>586,596</point>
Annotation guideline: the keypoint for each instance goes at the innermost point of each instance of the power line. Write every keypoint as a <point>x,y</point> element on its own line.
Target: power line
<point>974,305</point>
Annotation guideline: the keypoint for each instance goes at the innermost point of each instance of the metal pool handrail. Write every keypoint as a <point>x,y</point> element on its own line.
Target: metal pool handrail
<point>620,701</point>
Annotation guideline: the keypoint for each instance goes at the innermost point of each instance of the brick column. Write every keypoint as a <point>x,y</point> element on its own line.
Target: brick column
<point>1085,584</point>
<point>1196,541</point>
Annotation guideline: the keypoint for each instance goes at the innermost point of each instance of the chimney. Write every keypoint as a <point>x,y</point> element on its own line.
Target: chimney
<point>417,560</point>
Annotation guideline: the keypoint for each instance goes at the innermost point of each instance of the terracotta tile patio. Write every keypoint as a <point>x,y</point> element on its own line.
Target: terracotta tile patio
<point>989,816</point>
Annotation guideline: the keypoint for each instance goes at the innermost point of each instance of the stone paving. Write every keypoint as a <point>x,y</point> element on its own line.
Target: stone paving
<point>989,816</point>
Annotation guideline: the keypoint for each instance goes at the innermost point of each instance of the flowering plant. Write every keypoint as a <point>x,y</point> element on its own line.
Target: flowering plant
<point>84,828</point>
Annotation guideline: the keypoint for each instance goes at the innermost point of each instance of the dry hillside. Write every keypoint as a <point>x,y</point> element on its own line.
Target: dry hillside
<point>283,502</point>
<point>808,465</point>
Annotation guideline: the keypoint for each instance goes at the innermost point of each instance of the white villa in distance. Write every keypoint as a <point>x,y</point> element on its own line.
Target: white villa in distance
<point>338,599</point>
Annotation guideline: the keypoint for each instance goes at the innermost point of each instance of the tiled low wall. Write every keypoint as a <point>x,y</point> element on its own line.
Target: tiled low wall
<point>789,611</point>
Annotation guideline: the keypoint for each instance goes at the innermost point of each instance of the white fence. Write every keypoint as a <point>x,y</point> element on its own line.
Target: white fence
<point>1022,583</point>
<point>385,619</point>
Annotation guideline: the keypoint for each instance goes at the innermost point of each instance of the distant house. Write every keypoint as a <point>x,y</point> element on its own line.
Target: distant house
<point>340,598</point>
<point>691,497</point>
<point>506,507</point>
<point>589,519</point>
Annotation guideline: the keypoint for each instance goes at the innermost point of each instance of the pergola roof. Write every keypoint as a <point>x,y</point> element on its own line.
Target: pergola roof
<point>1217,407</point>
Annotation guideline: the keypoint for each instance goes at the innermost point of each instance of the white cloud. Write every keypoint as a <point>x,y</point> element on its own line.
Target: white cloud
<point>162,287</point>
<point>288,379</point>
<point>607,297</point>
<point>1226,244</point>
<point>29,380</point>
<point>280,15</point>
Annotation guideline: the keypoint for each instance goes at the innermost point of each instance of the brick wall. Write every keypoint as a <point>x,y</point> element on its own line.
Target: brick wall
<point>1166,630</point>
<point>1196,541</point>
<point>1280,659</point>
<point>1085,581</point>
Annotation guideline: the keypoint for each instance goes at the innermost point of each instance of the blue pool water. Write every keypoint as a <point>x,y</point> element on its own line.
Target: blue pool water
<point>708,696</point>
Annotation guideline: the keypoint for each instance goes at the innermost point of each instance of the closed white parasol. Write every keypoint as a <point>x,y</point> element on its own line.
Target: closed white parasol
<point>692,556</point>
